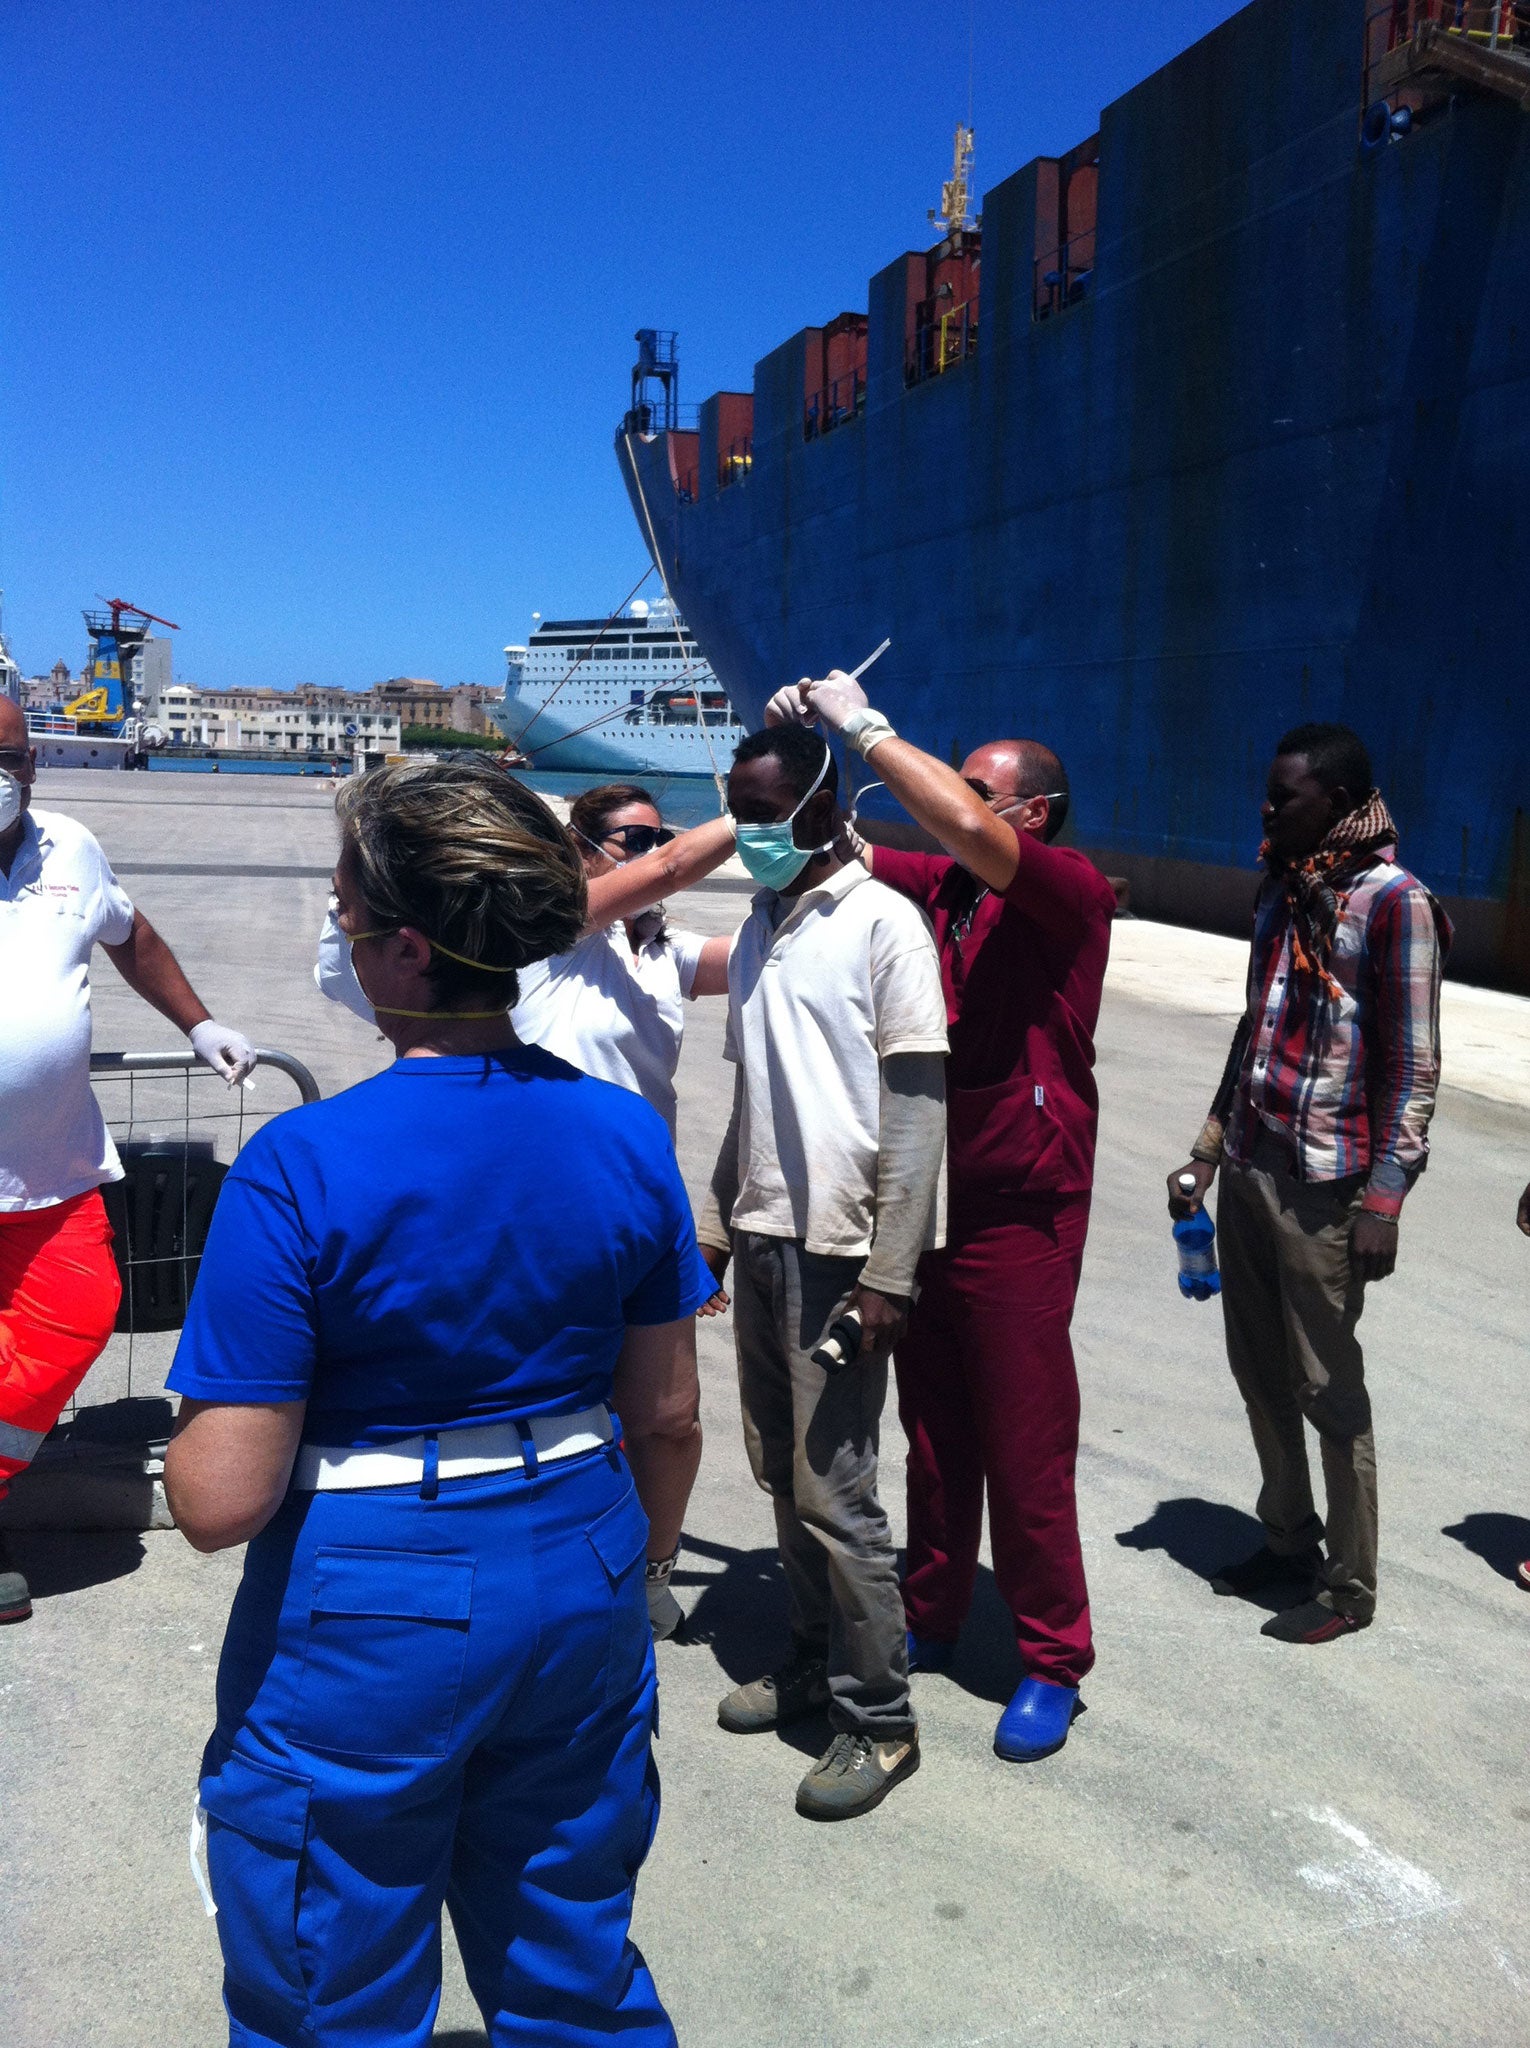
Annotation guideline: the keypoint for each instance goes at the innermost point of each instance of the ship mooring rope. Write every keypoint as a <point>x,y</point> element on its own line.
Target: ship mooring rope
<point>585,655</point>
<point>620,711</point>
<point>722,791</point>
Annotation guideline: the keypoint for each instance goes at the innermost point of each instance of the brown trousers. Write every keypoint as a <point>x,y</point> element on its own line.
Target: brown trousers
<point>1291,1303</point>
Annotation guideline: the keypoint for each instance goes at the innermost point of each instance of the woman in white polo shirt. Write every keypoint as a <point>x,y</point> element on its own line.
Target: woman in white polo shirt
<point>613,1006</point>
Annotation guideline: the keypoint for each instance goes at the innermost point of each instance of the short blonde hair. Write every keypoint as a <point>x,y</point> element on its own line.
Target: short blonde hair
<point>463,853</point>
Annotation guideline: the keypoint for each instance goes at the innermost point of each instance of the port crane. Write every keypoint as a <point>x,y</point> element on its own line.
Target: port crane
<point>105,705</point>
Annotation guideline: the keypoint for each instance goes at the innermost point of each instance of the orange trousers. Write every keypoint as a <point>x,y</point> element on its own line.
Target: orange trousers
<point>58,1301</point>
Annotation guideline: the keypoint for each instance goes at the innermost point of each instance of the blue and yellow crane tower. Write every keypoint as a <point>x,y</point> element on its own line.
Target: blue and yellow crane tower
<point>105,705</point>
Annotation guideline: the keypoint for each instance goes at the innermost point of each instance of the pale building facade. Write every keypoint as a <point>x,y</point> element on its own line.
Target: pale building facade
<point>302,721</point>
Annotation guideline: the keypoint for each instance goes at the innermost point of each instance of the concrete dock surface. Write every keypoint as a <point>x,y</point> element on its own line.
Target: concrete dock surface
<point>1242,1844</point>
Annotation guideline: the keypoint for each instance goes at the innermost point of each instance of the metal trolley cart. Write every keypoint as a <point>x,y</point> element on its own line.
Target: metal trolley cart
<point>177,1127</point>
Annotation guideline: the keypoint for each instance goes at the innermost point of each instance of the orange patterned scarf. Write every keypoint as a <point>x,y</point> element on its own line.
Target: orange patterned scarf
<point>1315,886</point>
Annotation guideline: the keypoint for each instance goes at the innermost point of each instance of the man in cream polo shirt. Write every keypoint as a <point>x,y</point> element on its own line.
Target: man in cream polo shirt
<point>828,1187</point>
<point>58,1281</point>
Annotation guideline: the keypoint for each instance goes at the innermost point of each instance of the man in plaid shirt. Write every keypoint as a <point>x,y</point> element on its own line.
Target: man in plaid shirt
<point>1320,1127</point>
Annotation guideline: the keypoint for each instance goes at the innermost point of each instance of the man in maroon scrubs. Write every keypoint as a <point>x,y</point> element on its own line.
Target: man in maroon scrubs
<point>987,1389</point>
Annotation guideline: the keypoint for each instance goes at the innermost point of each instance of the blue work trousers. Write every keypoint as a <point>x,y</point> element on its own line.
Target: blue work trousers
<point>438,1700</point>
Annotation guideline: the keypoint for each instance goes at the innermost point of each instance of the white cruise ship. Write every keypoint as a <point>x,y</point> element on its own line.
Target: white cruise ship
<point>629,695</point>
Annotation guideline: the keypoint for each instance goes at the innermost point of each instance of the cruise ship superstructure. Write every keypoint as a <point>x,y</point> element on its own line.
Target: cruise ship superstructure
<point>627,695</point>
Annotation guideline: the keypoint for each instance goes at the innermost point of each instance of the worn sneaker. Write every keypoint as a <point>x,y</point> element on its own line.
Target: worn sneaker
<point>1522,1573</point>
<point>15,1597</point>
<point>854,1774</point>
<point>1312,1622</point>
<point>800,1687</point>
<point>1268,1568</point>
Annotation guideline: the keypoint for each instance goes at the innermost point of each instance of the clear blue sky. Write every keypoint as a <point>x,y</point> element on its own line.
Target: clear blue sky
<point>318,318</point>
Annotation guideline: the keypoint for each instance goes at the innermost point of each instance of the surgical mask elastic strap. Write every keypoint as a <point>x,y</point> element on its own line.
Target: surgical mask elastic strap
<point>436,947</point>
<point>828,763</point>
<point>440,1016</point>
<point>596,847</point>
<point>464,1016</point>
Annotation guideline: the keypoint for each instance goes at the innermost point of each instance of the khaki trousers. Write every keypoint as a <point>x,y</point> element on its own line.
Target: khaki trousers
<point>1291,1303</point>
<point>812,1442</point>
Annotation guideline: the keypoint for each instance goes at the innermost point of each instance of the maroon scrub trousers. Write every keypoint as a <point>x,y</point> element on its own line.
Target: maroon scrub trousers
<point>987,1389</point>
<point>988,1398</point>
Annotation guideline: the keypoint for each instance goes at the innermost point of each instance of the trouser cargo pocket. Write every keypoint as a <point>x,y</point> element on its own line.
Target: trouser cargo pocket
<point>387,1642</point>
<point>257,1833</point>
<point>619,1538</point>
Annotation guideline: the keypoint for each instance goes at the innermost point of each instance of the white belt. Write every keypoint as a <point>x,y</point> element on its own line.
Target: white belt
<point>461,1453</point>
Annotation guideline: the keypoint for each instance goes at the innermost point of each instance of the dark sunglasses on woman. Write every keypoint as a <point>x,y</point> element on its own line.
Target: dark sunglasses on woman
<point>635,839</point>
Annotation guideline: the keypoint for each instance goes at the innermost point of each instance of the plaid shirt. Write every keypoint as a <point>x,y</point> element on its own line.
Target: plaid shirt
<point>1348,1080</point>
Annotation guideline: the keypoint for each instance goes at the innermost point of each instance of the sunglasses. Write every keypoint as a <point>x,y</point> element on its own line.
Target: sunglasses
<point>635,839</point>
<point>15,757</point>
<point>1008,796</point>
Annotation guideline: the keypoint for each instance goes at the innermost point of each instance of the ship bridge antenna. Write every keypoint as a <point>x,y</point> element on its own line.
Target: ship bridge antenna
<point>956,192</point>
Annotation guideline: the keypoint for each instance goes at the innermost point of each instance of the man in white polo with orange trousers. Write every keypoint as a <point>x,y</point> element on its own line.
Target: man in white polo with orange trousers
<point>58,1281</point>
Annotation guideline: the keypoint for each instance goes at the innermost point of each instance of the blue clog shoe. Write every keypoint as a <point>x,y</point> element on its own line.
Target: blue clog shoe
<point>927,1655</point>
<point>1036,1721</point>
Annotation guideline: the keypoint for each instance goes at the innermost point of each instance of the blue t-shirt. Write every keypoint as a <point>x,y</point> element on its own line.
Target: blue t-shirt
<point>455,1241</point>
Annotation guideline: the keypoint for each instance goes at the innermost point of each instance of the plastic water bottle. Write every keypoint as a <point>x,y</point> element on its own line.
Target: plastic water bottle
<point>1195,1239</point>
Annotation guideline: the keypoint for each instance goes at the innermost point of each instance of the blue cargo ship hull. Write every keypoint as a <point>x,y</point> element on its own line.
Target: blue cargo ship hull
<point>1266,462</point>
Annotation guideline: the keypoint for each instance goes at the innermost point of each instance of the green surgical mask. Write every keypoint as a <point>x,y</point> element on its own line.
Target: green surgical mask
<point>770,853</point>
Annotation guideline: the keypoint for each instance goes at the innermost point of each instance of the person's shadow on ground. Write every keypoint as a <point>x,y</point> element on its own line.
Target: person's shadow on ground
<point>741,1615</point>
<point>56,1561</point>
<point>741,1618</point>
<point>1201,1536</point>
<point>1501,1541</point>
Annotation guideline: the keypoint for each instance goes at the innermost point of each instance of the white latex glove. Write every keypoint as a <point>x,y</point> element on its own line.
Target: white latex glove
<point>834,699</point>
<point>787,708</point>
<point>228,1053</point>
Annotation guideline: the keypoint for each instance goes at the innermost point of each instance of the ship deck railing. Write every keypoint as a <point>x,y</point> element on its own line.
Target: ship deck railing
<point>1419,51</point>
<point>1063,275</point>
<point>941,341</point>
<point>842,398</point>
<point>736,462</point>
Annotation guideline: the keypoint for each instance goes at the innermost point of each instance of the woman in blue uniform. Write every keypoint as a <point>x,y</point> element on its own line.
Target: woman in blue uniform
<point>417,1303</point>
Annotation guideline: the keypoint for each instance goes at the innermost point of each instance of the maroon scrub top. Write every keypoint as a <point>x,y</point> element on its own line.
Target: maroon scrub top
<point>1023,981</point>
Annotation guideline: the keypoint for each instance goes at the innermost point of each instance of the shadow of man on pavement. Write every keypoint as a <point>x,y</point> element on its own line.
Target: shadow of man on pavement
<point>1201,1536</point>
<point>1502,1541</point>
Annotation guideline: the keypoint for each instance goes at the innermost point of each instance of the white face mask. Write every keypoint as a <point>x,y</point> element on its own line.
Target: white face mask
<point>334,971</point>
<point>10,800</point>
<point>648,924</point>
